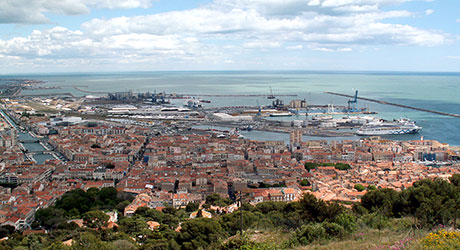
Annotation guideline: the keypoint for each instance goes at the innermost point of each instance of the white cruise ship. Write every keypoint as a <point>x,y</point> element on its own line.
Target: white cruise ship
<point>382,127</point>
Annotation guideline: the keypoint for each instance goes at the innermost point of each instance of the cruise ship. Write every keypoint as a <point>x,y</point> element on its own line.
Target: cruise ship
<point>382,127</point>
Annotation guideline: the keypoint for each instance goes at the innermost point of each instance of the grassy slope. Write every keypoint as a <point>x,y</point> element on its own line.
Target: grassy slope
<point>364,238</point>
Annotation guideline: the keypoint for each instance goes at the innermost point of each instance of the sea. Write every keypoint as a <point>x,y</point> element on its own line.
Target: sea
<point>435,91</point>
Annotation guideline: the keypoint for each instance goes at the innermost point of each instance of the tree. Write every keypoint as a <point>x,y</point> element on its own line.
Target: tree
<point>192,206</point>
<point>359,187</point>
<point>121,206</point>
<point>313,209</point>
<point>455,180</point>
<point>217,200</point>
<point>310,165</point>
<point>50,217</point>
<point>6,230</point>
<point>382,200</point>
<point>305,183</point>
<point>199,233</point>
<point>123,245</point>
<point>133,226</point>
<point>95,219</point>
<point>88,241</point>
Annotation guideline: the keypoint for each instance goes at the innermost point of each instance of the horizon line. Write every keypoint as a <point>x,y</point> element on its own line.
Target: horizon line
<point>243,70</point>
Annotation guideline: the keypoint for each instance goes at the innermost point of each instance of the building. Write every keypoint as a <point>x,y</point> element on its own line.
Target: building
<point>295,138</point>
<point>297,104</point>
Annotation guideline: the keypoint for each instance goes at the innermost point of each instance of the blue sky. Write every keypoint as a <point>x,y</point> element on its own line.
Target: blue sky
<point>41,36</point>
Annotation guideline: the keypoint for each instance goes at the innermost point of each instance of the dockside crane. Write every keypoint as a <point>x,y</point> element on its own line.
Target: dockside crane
<point>352,103</point>
<point>259,113</point>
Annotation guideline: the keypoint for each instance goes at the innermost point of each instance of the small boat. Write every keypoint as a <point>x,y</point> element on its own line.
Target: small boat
<point>221,136</point>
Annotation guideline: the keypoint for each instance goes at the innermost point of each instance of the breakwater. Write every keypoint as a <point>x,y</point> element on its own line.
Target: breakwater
<point>397,105</point>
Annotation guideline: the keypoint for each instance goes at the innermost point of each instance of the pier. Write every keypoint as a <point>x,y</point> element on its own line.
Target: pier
<point>397,105</point>
<point>240,95</point>
<point>79,88</point>
<point>49,94</point>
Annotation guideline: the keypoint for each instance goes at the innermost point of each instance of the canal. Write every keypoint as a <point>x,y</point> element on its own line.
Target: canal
<point>35,147</point>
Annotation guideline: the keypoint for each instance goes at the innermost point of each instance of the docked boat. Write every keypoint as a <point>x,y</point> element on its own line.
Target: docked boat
<point>280,114</point>
<point>192,103</point>
<point>382,127</point>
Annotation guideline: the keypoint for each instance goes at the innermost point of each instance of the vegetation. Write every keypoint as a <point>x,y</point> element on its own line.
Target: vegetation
<point>441,239</point>
<point>339,166</point>
<point>217,200</point>
<point>430,202</point>
<point>76,203</point>
<point>359,187</point>
<point>305,183</point>
<point>384,219</point>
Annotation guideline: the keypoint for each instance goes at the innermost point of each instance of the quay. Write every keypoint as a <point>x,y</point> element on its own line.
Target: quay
<point>88,91</point>
<point>240,95</point>
<point>49,94</point>
<point>397,105</point>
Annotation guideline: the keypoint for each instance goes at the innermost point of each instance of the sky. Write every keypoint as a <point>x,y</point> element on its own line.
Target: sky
<point>46,36</point>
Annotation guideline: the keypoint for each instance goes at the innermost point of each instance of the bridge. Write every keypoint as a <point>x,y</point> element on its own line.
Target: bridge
<point>29,141</point>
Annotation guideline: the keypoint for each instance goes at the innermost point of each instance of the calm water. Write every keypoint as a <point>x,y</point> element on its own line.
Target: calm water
<point>437,91</point>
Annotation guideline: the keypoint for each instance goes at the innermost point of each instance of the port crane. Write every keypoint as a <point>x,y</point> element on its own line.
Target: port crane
<point>271,96</point>
<point>259,113</point>
<point>352,103</point>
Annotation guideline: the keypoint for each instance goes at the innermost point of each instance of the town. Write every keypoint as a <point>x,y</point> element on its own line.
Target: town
<point>165,164</point>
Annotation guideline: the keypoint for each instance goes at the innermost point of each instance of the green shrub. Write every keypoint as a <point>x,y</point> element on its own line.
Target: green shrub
<point>311,232</point>
<point>347,221</point>
<point>375,220</point>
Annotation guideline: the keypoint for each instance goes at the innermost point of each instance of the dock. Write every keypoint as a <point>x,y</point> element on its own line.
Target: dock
<point>49,94</point>
<point>79,88</point>
<point>397,105</point>
<point>237,95</point>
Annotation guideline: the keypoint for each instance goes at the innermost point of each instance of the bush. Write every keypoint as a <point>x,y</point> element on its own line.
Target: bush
<point>347,221</point>
<point>441,239</point>
<point>375,220</point>
<point>333,229</point>
<point>311,232</point>
<point>244,243</point>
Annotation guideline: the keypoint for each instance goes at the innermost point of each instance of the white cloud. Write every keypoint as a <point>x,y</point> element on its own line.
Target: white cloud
<point>458,20</point>
<point>295,47</point>
<point>332,49</point>
<point>117,4</point>
<point>429,12</point>
<point>34,11</point>
<point>296,7</point>
<point>226,30</point>
<point>251,27</point>
<point>261,45</point>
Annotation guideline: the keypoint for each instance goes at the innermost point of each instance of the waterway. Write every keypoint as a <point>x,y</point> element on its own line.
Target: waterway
<point>39,156</point>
